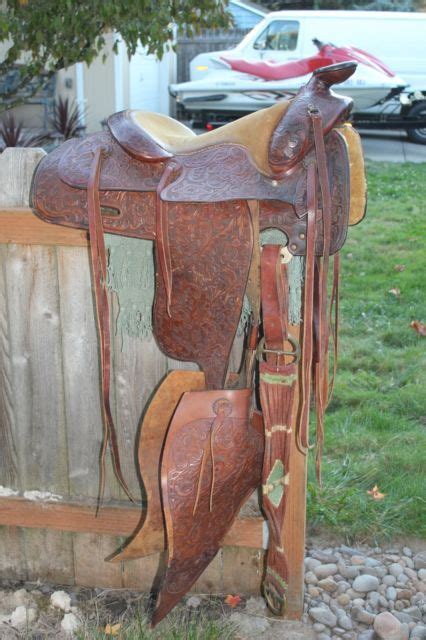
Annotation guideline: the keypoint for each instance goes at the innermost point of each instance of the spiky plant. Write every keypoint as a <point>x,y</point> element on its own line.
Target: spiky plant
<point>12,134</point>
<point>67,118</point>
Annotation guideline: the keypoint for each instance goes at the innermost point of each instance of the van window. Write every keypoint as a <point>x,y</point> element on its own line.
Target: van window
<point>279,35</point>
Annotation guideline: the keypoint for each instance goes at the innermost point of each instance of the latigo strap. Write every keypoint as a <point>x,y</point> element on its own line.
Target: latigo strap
<point>277,381</point>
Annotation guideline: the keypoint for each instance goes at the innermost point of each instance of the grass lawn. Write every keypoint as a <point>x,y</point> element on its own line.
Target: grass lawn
<point>376,422</point>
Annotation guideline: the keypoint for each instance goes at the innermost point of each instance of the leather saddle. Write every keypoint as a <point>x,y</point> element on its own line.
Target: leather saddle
<point>204,201</point>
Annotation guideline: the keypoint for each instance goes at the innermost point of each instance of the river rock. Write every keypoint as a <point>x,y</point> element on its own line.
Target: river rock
<point>402,617</point>
<point>411,573</point>
<point>70,623</point>
<point>310,578</point>
<point>414,613</point>
<point>349,572</point>
<point>391,593</point>
<point>193,602</point>
<point>420,560</point>
<point>418,633</point>
<point>343,599</point>
<point>395,569</point>
<point>407,551</point>
<point>22,617</point>
<point>389,628</point>
<point>324,557</point>
<point>361,615</point>
<point>422,574</point>
<point>389,580</point>
<point>325,570</point>
<point>345,622</point>
<point>349,551</point>
<point>250,626</point>
<point>311,564</point>
<point>372,562</point>
<point>365,583</point>
<point>61,600</point>
<point>253,605</point>
<point>327,584</point>
<point>323,615</point>
<point>367,635</point>
<point>374,597</point>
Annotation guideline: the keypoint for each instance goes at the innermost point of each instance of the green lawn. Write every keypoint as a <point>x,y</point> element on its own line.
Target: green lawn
<point>376,422</point>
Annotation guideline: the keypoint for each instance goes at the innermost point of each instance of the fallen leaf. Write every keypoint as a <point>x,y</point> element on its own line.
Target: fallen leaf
<point>112,629</point>
<point>375,493</point>
<point>419,327</point>
<point>233,601</point>
<point>395,292</point>
<point>399,267</point>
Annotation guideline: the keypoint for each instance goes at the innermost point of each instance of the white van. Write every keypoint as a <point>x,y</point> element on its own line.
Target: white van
<point>396,38</point>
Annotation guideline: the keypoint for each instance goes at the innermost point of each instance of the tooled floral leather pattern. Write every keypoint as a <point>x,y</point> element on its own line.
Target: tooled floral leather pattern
<point>234,471</point>
<point>120,172</point>
<point>292,221</point>
<point>210,249</point>
<point>212,175</point>
<point>57,202</point>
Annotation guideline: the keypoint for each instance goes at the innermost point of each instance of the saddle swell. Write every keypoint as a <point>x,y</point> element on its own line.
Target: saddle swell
<point>293,139</point>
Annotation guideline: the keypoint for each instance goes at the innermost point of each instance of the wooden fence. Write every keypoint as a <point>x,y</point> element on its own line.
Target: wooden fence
<point>50,421</point>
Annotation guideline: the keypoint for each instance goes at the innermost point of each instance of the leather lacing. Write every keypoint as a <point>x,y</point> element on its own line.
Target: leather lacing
<point>317,312</point>
<point>99,268</point>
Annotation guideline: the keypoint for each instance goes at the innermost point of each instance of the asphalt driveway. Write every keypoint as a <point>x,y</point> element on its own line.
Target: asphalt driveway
<point>391,146</point>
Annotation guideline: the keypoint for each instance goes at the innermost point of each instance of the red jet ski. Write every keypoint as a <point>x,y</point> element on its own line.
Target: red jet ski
<point>327,54</point>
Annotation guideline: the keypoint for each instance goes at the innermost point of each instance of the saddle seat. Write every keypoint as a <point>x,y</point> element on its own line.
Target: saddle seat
<point>154,137</point>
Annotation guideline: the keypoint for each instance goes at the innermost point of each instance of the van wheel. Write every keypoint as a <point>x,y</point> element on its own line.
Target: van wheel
<point>417,135</point>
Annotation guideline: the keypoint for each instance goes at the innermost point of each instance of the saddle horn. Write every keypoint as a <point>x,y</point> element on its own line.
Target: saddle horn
<point>334,73</point>
<point>292,138</point>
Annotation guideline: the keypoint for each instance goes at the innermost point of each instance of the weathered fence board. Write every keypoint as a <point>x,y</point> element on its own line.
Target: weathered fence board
<point>79,344</point>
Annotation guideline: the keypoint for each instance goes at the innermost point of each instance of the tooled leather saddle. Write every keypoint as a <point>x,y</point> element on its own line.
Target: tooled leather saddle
<point>204,200</point>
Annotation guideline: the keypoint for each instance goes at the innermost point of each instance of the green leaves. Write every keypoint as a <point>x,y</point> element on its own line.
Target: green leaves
<point>59,33</point>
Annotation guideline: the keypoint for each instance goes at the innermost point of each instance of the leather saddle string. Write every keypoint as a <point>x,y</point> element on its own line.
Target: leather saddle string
<point>99,267</point>
<point>253,294</point>
<point>321,364</point>
<point>334,328</point>
<point>162,236</point>
<point>302,434</point>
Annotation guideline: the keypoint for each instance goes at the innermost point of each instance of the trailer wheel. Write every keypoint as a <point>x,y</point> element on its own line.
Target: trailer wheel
<point>417,135</point>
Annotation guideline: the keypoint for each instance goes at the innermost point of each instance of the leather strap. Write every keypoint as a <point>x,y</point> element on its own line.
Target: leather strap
<point>302,434</point>
<point>162,236</point>
<point>322,264</point>
<point>274,288</point>
<point>277,380</point>
<point>99,268</point>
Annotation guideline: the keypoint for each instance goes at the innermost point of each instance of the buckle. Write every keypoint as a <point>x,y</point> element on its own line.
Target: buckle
<point>295,354</point>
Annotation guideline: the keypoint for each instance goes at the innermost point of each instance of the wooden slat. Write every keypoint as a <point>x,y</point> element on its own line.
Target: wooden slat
<point>112,520</point>
<point>21,226</point>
